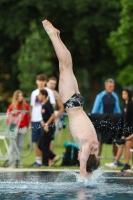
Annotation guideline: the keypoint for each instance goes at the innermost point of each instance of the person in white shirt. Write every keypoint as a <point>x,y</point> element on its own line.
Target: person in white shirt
<point>36,116</point>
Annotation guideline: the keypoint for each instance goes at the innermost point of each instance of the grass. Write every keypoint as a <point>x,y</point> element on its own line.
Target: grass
<point>63,136</point>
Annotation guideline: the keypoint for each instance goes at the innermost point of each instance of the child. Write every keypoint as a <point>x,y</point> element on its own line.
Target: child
<point>48,127</point>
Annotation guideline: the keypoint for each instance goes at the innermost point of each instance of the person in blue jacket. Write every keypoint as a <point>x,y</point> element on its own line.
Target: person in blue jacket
<point>107,102</point>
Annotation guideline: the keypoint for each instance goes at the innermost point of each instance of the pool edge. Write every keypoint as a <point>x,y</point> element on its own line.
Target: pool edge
<point>50,170</point>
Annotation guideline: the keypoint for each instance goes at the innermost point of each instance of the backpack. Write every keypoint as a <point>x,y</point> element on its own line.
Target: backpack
<point>71,155</point>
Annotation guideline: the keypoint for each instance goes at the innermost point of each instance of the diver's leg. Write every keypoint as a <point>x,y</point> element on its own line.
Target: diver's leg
<point>74,78</point>
<point>67,83</point>
<point>62,53</point>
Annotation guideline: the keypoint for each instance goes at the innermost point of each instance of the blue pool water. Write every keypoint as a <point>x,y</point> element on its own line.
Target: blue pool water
<point>64,186</point>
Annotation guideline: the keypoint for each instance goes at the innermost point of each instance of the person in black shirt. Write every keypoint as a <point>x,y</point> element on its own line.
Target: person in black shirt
<point>128,140</point>
<point>48,127</point>
<point>125,121</point>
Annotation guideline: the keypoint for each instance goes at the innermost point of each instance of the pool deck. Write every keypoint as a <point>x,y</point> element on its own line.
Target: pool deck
<point>50,170</point>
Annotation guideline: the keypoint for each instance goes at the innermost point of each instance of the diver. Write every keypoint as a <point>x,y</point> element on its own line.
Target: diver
<point>80,125</point>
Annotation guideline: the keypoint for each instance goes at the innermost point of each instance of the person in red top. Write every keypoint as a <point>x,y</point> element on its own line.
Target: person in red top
<point>18,105</point>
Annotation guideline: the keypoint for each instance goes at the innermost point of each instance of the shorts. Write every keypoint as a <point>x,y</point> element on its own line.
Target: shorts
<point>75,101</point>
<point>36,130</point>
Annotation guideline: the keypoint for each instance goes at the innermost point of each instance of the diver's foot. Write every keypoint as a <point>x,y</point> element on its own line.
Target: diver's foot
<point>49,28</point>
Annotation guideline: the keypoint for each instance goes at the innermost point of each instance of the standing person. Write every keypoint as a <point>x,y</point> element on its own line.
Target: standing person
<point>107,102</point>
<point>59,108</point>
<point>80,126</point>
<point>48,127</point>
<point>36,116</point>
<point>128,140</point>
<point>51,83</point>
<point>127,98</point>
<point>19,105</point>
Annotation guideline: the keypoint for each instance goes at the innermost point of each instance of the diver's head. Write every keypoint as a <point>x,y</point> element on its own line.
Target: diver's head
<point>92,163</point>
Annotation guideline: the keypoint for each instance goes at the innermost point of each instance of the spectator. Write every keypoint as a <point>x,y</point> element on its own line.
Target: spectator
<point>52,82</point>
<point>18,105</point>
<point>128,141</point>
<point>107,102</point>
<point>36,116</point>
<point>127,98</point>
<point>48,128</point>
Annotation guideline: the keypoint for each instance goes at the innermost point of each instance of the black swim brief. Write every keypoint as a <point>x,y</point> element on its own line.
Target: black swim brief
<point>75,101</point>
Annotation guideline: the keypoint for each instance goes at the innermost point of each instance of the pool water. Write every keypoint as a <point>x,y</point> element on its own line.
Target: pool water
<point>64,186</point>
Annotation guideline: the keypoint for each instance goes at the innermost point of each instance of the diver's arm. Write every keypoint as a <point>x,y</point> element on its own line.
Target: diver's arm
<point>84,155</point>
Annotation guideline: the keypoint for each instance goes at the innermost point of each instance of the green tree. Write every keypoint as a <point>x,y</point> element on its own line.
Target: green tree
<point>121,42</point>
<point>32,61</point>
<point>85,27</point>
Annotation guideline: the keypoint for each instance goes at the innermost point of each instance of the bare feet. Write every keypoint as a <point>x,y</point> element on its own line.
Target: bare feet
<point>49,28</point>
<point>52,162</point>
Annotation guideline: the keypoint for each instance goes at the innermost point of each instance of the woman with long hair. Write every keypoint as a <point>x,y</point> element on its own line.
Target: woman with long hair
<point>127,98</point>
<point>127,141</point>
<point>18,106</point>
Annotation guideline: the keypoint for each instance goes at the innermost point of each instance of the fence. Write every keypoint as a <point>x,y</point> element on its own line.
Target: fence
<point>9,125</point>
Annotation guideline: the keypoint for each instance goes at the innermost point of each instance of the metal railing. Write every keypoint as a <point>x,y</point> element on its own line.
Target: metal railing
<point>62,136</point>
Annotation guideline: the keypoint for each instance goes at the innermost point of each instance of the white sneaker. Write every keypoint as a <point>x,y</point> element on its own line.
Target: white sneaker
<point>111,165</point>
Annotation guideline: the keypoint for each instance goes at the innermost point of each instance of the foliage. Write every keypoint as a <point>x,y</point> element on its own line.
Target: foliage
<point>121,42</point>
<point>32,61</point>
<point>85,27</point>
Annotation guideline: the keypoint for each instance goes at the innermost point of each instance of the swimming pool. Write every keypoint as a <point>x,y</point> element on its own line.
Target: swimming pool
<point>63,186</point>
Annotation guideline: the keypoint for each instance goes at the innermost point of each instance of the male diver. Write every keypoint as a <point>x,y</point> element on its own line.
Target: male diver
<point>80,125</point>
